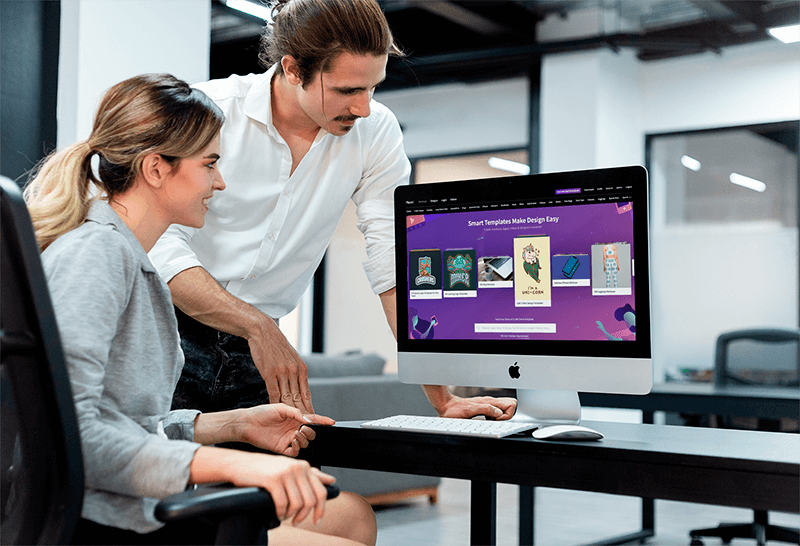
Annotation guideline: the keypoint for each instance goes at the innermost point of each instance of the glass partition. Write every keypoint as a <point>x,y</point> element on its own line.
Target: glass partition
<point>724,218</point>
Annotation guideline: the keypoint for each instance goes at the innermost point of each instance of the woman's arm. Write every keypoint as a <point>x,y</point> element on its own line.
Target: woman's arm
<point>296,487</point>
<point>276,427</point>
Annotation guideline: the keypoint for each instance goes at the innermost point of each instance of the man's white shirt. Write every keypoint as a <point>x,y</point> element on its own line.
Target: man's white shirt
<point>266,233</point>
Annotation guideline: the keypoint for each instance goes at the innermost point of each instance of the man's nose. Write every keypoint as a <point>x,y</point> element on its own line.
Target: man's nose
<point>360,106</point>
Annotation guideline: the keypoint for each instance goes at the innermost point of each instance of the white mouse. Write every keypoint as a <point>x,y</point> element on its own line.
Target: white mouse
<point>566,432</point>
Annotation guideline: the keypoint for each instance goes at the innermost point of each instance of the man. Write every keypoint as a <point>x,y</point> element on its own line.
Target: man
<point>299,141</point>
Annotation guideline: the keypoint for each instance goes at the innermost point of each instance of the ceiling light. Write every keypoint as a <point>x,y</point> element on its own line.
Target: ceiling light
<point>690,163</point>
<point>788,34</point>
<point>510,166</point>
<point>250,8</point>
<point>747,182</point>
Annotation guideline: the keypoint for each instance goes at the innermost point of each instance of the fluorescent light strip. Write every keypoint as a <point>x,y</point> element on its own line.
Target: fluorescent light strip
<point>747,182</point>
<point>690,163</point>
<point>788,34</point>
<point>250,8</point>
<point>510,166</point>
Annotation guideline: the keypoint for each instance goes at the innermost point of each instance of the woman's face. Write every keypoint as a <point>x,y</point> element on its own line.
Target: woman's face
<point>191,184</point>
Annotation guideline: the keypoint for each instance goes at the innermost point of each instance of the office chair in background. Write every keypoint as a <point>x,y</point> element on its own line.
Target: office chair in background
<point>758,357</point>
<point>41,465</point>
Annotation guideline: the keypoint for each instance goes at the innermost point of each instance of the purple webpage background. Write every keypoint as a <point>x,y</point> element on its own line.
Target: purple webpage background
<point>574,310</point>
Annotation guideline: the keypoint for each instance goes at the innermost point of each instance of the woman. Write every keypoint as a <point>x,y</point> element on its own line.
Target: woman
<point>157,143</point>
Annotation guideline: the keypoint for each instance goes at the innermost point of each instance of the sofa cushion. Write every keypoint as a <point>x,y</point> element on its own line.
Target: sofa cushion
<point>343,365</point>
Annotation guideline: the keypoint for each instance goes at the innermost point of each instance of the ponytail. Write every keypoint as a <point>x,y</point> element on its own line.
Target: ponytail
<point>58,196</point>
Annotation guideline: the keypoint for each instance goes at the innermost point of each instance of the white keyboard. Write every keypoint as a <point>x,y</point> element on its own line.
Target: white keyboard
<point>444,425</point>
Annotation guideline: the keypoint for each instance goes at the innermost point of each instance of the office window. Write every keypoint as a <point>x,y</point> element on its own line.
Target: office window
<point>462,167</point>
<point>724,238</point>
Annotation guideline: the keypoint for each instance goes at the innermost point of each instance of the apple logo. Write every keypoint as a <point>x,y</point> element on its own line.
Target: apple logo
<point>513,371</point>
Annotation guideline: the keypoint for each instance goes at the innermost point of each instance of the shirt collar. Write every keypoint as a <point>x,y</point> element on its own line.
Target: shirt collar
<point>258,102</point>
<point>102,213</point>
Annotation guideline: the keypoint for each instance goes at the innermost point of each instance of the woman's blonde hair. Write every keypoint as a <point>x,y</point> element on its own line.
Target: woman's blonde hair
<point>151,113</point>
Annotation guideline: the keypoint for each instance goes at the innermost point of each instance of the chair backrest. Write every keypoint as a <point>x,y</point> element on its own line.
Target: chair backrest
<point>768,356</point>
<point>41,466</point>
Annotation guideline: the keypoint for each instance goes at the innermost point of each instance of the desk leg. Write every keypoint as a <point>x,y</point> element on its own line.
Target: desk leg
<point>483,513</point>
<point>527,506</point>
<point>648,505</point>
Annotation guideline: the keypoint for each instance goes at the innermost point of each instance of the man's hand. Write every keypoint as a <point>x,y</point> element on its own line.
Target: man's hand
<point>198,295</point>
<point>499,409</point>
<point>448,405</point>
<point>284,372</point>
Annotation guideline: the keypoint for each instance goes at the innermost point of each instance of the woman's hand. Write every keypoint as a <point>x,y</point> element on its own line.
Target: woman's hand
<point>296,487</point>
<point>275,427</point>
<point>280,428</point>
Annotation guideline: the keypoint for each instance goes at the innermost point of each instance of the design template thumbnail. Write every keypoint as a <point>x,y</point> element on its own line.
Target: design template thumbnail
<point>532,271</point>
<point>611,269</point>
<point>460,273</point>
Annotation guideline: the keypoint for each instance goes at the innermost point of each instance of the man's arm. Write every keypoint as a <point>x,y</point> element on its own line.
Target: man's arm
<point>197,294</point>
<point>443,401</point>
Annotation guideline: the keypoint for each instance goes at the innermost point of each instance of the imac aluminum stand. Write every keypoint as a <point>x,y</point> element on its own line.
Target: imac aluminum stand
<point>548,407</point>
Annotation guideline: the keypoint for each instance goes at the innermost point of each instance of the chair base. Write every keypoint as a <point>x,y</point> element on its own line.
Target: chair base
<point>760,530</point>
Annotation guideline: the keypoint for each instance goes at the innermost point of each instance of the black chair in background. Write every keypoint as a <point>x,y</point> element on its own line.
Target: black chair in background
<point>41,465</point>
<point>756,357</point>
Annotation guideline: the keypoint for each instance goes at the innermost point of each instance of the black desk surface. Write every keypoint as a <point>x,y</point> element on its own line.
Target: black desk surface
<point>747,469</point>
<point>688,397</point>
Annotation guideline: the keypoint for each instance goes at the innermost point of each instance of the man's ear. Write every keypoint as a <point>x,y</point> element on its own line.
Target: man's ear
<point>291,70</point>
<point>155,170</point>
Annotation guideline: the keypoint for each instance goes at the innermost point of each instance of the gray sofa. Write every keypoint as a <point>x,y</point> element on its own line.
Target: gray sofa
<point>353,387</point>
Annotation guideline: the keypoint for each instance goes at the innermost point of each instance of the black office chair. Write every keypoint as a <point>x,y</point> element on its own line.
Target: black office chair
<point>41,465</point>
<point>760,357</point>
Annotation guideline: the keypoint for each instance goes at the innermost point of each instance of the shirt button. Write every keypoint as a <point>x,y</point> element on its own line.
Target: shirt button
<point>271,236</point>
<point>252,276</point>
<point>287,193</point>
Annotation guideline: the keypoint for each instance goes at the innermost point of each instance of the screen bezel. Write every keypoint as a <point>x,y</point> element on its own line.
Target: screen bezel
<point>512,189</point>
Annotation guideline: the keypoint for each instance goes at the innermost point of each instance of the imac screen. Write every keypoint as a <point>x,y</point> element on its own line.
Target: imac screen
<point>549,264</point>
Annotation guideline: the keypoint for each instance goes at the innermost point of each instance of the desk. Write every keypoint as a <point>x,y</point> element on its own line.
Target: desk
<point>686,397</point>
<point>746,469</point>
<point>679,397</point>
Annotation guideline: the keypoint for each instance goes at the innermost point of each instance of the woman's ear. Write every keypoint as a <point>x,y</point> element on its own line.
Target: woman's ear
<point>291,70</point>
<point>155,170</point>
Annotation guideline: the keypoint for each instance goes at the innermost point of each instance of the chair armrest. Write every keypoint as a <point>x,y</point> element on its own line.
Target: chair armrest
<point>221,500</point>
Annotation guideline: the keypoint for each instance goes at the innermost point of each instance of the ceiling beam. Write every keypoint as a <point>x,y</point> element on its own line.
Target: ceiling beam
<point>462,16</point>
<point>751,11</point>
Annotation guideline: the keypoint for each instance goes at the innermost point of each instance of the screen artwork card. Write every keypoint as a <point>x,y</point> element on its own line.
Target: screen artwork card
<point>425,273</point>
<point>611,269</point>
<point>571,270</point>
<point>460,273</point>
<point>532,271</point>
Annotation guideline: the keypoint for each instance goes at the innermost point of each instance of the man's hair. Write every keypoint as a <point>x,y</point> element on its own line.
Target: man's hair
<point>315,32</point>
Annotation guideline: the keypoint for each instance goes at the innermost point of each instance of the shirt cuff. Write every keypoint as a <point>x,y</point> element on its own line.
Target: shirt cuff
<point>380,271</point>
<point>179,424</point>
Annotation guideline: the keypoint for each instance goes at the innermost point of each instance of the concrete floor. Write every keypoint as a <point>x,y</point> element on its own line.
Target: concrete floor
<point>563,517</point>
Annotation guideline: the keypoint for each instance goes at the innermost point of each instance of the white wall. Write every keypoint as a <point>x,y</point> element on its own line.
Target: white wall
<point>450,119</point>
<point>106,41</point>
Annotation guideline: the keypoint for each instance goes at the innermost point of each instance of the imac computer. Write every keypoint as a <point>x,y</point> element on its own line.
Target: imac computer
<point>538,283</point>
